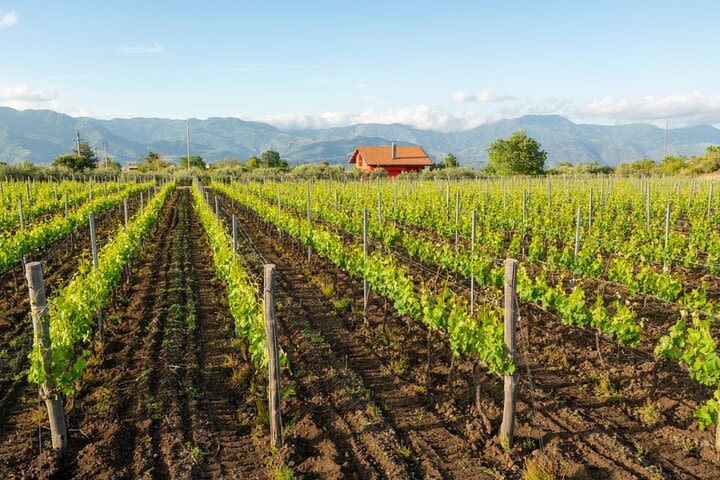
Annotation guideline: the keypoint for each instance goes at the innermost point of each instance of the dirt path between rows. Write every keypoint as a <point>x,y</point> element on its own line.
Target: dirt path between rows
<point>594,416</point>
<point>160,402</point>
<point>381,426</point>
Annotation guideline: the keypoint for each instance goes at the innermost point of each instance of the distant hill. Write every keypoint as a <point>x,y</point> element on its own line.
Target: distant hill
<point>41,135</point>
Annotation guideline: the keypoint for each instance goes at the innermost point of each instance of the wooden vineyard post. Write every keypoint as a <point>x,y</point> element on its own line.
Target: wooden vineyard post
<point>366,287</point>
<point>472,262</point>
<point>447,200</point>
<point>380,218</point>
<point>507,428</point>
<point>457,219</point>
<point>667,226</point>
<point>692,191</point>
<point>125,211</point>
<point>20,212</point>
<point>577,232</point>
<point>142,202</point>
<point>41,328</point>
<point>234,234</point>
<point>217,209</point>
<point>93,240</point>
<point>590,209</point>
<point>710,195</point>
<point>276,439</point>
<point>279,210</point>
<point>309,250</point>
<point>394,199</point>
<point>647,206</point>
<point>66,204</point>
<point>93,244</point>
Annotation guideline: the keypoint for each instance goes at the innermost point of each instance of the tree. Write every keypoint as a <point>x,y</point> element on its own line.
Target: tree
<point>672,165</point>
<point>77,162</point>
<point>152,162</point>
<point>195,161</point>
<point>252,163</point>
<point>450,161</point>
<point>645,166</point>
<point>518,154</point>
<point>271,158</point>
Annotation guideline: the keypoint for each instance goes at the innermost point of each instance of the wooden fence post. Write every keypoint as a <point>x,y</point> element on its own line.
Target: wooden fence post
<point>507,428</point>
<point>457,219</point>
<point>41,328</point>
<point>710,195</point>
<point>20,211</point>
<point>309,249</point>
<point>366,287</point>
<point>276,438</point>
<point>234,234</point>
<point>472,263</point>
<point>577,233</point>
<point>93,244</point>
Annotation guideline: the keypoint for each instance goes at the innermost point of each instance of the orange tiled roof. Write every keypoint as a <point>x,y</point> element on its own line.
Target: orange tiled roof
<point>407,155</point>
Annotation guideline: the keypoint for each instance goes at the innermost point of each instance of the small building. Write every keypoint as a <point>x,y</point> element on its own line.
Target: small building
<point>395,159</point>
<point>131,167</point>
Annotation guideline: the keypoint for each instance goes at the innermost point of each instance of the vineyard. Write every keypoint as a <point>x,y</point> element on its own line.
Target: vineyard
<point>520,328</point>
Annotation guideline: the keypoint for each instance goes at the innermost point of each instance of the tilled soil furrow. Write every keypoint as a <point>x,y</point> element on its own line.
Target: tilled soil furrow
<point>438,451</point>
<point>234,453</point>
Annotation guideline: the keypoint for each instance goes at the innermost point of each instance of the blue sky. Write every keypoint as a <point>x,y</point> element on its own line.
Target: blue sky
<point>443,65</point>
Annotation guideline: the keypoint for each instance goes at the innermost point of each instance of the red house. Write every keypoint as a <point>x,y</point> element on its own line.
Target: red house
<point>393,158</point>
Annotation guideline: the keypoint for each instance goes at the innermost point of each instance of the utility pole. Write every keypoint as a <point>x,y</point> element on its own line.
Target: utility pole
<point>78,142</point>
<point>667,124</point>
<point>187,137</point>
<point>105,159</point>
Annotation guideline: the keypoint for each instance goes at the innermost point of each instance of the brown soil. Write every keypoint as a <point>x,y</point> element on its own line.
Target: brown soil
<point>167,397</point>
<point>585,414</point>
<point>18,398</point>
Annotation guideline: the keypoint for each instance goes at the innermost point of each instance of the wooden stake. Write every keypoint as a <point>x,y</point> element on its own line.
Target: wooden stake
<point>710,195</point>
<point>93,243</point>
<point>41,328</point>
<point>20,211</point>
<point>457,219</point>
<point>507,428</point>
<point>472,263</point>
<point>234,234</point>
<point>276,437</point>
<point>667,227</point>
<point>309,248</point>
<point>125,211</point>
<point>380,214</point>
<point>93,240</point>
<point>577,232</point>
<point>366,287</point>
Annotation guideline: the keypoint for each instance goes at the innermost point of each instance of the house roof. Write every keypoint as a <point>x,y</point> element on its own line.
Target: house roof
<point>407,155</point>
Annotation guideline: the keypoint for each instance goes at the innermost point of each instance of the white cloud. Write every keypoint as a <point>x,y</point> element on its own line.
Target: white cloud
<point>9,18</point>
<point>685,108</point>
<point>486,96</point>
<point>22,93</point>
<point>146,49</point>
<point>418,116</point>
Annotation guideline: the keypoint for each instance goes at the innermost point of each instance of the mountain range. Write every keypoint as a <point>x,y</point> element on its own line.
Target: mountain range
<point>39,136</point>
